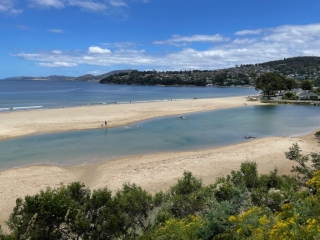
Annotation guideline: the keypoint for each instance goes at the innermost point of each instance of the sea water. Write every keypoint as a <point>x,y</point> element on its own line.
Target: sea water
<point>165,134</point>
<point>24,95</point>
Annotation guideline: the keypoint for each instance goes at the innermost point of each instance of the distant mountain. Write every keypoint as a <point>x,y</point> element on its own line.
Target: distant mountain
<point>48,78</point>
<point>87,77</point>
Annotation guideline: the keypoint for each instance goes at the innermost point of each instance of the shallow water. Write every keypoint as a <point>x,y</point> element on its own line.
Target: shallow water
<point>195,131</point>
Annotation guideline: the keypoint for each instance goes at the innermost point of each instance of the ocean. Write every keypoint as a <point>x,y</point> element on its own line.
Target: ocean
<point>24,95</point>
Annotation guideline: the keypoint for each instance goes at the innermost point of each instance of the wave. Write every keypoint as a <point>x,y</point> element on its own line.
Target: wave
<point>20,108</point>
<point>28,107</point>
<point>41,91</point>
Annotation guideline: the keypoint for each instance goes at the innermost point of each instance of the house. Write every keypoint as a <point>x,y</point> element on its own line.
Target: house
<point>308,96</point>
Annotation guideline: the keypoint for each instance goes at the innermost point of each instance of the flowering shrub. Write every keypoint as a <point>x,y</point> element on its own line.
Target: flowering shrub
<point>186,228</point>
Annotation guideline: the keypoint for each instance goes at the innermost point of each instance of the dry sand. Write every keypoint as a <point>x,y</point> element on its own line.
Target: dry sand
<point>154,171</point>
<point>14,124</point>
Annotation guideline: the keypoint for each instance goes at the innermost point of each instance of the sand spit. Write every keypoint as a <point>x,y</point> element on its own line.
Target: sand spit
<point>15,124</point>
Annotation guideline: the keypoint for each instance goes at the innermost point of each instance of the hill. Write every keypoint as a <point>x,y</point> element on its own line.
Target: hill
<point>87,77</point>
<point>298,68</point>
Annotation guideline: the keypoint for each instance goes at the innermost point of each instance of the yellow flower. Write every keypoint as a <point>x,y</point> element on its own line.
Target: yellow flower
<point>232,218</point>
<point>264,220</point>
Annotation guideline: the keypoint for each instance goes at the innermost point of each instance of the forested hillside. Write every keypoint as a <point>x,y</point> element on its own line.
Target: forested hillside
<point>298,68</point>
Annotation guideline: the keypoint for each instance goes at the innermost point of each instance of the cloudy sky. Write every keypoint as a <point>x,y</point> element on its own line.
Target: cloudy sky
<point>77,37</point>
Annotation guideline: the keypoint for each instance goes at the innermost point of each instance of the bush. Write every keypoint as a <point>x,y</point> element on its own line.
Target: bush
<point>289,96</point>
<point>188,196</point>
<point>184,229</point>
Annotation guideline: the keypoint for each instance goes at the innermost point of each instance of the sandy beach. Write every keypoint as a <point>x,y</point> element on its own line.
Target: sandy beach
<point>153,172</point>
<point>15,124</point>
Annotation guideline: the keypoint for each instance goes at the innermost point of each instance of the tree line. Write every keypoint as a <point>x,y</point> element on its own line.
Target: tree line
<point>136,77</point>
<point>241,205</point>
<point>272,83</point>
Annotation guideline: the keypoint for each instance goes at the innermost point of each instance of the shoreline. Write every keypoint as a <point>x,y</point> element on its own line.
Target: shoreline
<point>153,172</point>
<point>22,123</point>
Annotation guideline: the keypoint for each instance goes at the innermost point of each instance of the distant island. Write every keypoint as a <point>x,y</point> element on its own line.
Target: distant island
<point>298,68</point>
<point>84,78</point>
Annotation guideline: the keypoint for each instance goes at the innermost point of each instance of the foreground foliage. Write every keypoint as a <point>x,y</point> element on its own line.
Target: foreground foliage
<point>241,205</point>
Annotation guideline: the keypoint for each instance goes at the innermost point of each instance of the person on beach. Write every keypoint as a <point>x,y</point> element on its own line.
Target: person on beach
<point>105,123</point>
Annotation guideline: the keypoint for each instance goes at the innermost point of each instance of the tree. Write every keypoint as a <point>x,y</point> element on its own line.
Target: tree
<point>49,214</point>
<point>134,205</point>
<point>188,196</point>
<point>220,79</point>
<point>269,83</point>
<point>290,83</point>
<point>304,170</point>
<point>307,85</point>
<point>317,90</point>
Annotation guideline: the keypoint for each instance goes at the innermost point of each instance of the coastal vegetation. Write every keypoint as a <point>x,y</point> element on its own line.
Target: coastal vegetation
<point>271,83</point>
<point>155,78</point>
<point>241,205</point>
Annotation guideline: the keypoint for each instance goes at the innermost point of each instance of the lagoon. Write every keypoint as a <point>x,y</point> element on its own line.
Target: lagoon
<point>195,131</point>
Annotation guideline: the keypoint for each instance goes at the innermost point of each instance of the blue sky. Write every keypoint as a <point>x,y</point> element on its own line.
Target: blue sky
<point>77,37</point>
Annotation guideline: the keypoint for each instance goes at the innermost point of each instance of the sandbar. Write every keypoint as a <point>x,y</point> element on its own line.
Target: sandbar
<point>20,123</point>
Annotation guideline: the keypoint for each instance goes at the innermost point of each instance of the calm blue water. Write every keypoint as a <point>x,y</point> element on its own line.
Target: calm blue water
<point>196,131</point>
<point>20,95</point>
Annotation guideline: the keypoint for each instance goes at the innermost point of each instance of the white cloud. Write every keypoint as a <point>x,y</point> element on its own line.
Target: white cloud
<point>55,30</point>
<point>177,39</point>
<point>249,32</point>
<point>120,45</point>
<point>117,3</point>
<point>271,44</point>
<point>95,72</point>
<point>57,64</point>
<point>98,50</point>
<point>113,7</point>
<point>89,5</point>
<point>244,41</point>
<point>144,1</point>
<point>47,3</point>
<point>15,11</point>
<point>56,51</point>
<point>8,6</point>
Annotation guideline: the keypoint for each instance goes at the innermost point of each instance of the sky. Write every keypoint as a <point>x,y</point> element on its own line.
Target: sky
<point>77,37</point>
